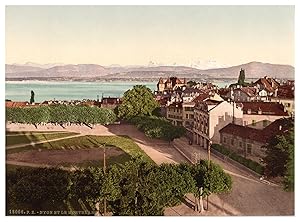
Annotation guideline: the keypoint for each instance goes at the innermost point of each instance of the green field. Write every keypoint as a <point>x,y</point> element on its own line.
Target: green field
<point>124,143</point>
<point>19,138</point>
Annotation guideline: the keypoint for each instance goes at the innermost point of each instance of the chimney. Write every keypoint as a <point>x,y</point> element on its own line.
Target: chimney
<point>280,127</point>
<point>259,111</point>
<point>275,93</point>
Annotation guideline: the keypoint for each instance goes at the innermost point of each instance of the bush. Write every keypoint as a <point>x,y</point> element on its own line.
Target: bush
<point>259,169</point>
<point>244,161</point>
<point>156,127</point>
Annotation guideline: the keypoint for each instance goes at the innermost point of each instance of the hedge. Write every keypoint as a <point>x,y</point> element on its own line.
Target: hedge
<point>256,167</point>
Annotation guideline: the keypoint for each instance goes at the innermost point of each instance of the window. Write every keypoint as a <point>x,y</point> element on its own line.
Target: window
<point>265,123</point>
<point>288,104</point>
<point>253,122</point>
<point>186,116</point>
<point>249,148</point>
<point>191,116</point>
<point>241,144</point>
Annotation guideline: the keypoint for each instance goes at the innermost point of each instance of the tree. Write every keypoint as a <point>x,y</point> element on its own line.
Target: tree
<point>60,114</point>
<point>210,180</point>
<point>276,156</point>
<point>191,83</point>
<point>138,101</point>
<point>37,187</point>
<point>279,158</point>
<point>241,80</point>
<point>32,97</point>
<point>290,170</point>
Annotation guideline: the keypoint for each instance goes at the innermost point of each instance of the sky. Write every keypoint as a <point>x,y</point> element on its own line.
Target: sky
<point>135,35</point>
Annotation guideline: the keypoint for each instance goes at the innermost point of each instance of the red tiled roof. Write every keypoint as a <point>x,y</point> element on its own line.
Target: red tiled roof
<point>15,104</point>
<point>223,91</point>
<point>267,83</point>
<point>278,127</point>
<point>286,91</point>
<point>201,97</point>
<point>244,132</point>
<point>266,108</point>
<point>250,91</point>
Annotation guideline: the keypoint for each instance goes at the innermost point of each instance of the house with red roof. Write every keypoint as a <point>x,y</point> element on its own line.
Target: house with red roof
<point>249,142</point>
<point>285,95</point>
<point>261,114</point>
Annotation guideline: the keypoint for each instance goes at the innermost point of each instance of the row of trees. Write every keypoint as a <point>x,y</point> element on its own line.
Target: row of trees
<point>60,114</point>
<point>134,188</point>
<point>156,127</point>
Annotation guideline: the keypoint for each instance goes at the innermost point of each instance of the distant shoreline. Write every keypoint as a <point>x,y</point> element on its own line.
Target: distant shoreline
<point>117,79</point>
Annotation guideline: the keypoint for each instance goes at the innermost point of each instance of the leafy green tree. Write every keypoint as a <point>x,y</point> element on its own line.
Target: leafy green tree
<point>279,158</point>
<point>37,187</point>
<point>276,156</point>
<point>32,97</point>
<point>211,179</point>
<point>290,169</point>
<point>60,114</point>
<point>138,101</point>
<point>155,127</point>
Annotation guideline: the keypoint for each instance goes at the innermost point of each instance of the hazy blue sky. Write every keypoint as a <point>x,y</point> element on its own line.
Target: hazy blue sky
<point>137,34</point>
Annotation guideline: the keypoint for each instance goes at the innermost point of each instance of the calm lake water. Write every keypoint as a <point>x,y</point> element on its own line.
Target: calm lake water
<point>67,90</point>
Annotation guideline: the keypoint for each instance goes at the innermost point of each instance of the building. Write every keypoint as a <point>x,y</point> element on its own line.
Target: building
<point>210,116</point>
<point>286,95</point>
<point>110,102</point>
<point>175,113</point>
<point>11,104</point>
<point>243,140</point>
<point>261,114</point>
<point>249,142</point>
<point>243,94</point>
<point>170,84</point>
<point>268,84</point>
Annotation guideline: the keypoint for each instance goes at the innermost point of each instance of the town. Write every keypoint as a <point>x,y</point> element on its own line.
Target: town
<point>235,124</point>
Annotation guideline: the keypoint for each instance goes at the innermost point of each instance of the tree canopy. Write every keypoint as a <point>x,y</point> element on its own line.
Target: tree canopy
<point>133,188</point>
<point>158,127</point>
<point>138,101</point>
<point>279,158</point>
<point>60,114</point>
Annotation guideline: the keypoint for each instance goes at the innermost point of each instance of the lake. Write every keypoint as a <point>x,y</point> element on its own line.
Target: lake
<point>68,90</point>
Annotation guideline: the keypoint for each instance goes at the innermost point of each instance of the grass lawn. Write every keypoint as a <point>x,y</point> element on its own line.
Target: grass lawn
<point>90,142</point>
<point>34,137</point>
